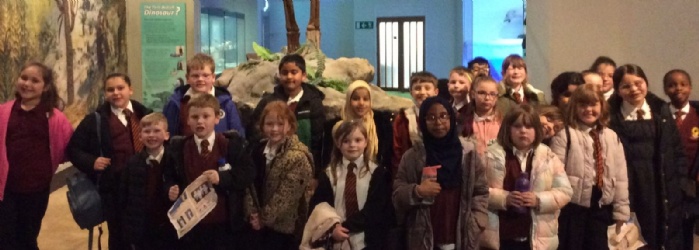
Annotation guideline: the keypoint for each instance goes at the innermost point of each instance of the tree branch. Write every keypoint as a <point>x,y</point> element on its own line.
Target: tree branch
<point>73,13</point>
<point>60,6</point>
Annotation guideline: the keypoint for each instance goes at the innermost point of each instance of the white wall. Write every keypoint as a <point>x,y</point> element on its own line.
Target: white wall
<point>569,35</point>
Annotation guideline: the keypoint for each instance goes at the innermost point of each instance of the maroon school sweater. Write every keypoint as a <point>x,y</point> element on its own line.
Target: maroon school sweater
<point>28,151</point>
<point>690,139</point>
<point>184,115</point>
<point>513,224</point>
<point>122,143</point>
<point>195,165</point>
<point>157,208</point>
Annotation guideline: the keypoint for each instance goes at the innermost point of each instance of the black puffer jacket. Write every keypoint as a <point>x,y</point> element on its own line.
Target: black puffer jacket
<point>669,168</point>
<point>84,148</point>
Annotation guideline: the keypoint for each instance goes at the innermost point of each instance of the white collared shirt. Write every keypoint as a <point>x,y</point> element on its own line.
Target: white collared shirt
<point>296,98</point>
<point>158,157</point>
<point>522,157</point>
<point>519,90</point>
<point>684,109</point>
<point>628,111</point>
<point>120,113</point>
<point>459,105</point>
<point>190,92</point>
<point>270,152</point>
<point>608,94</point>
<point>362,188</point>
<point>589,145</point>
<point>211,140</point>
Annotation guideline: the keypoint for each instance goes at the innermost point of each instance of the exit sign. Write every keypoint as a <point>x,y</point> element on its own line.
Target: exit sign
<point>364,25</point>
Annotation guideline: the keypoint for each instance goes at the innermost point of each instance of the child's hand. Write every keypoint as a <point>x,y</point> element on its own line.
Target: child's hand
<point>255,221</point>
<point>173,193</point>
<point>340,233</point>
<point>514,199</point>
<point>212,176</point>
<point>101,163</point>
<point>529,199</point>
<point>428,188</point>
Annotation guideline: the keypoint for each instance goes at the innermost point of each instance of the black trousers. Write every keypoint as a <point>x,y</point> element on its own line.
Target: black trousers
<point>20,219</point>
<point>112,209</point>
<point>158,237</point>
<point>272,240</point>
<point>515,245</point>
<point>212,237</point>
<point>688,231</point>
<point>582,228</point>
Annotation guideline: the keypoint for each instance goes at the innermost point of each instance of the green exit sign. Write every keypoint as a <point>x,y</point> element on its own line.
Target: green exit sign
<point>364,25</point>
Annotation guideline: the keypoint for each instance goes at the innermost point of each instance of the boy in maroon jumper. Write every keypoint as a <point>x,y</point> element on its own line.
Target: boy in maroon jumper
<point>145,221</point>
<point>678,86</point>
<point>199,154</point>
<point>105,159</point>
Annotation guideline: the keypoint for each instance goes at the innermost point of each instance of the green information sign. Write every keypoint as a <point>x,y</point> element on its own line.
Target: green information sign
<point>163,55</point>
<point>364,25</point>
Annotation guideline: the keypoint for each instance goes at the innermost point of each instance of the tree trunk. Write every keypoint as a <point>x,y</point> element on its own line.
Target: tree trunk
<point>121,37</point>
<point>292,28</point>
<point>67,29</point>
<point>313,28</point>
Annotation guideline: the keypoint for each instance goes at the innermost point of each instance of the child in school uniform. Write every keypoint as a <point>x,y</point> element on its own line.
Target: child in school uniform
<point>551,118</point>
<point>678,86</point>
<point>485,118</point>
<point>525,217</point>
<point>515,88</point>
<point>144,218</point>
<point>358,106</point>
<point>34,137</point>
<point>460,79</point>
<point>200,80</point>
<point>358,189</point>
<point>305,100</point>
<point>596,168</point>
<point>405,127</point>
<point>447,211</point>
<point>224,160</point>
<point>278,204</point>
<point>655,156</point>
<point>105,159</point>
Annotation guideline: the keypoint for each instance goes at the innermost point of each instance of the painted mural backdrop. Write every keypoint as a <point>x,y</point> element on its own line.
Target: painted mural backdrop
<point>82,40</point>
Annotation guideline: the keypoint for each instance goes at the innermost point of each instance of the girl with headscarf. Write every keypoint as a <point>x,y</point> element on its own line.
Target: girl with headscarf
<point>358,106</point>
<point>447,211</point>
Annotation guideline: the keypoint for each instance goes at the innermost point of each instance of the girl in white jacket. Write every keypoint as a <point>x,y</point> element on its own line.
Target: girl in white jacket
<point>523,217</point>
<point>596,167</point>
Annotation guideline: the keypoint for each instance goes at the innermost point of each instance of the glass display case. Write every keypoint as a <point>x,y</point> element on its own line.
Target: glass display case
<point>223,37</point>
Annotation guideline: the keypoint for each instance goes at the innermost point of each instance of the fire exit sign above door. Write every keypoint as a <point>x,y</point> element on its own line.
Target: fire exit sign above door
<point>364,25</point>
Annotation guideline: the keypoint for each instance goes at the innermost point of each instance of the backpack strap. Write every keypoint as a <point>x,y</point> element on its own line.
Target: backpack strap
<point>98,127</point>
<point>567,143</point>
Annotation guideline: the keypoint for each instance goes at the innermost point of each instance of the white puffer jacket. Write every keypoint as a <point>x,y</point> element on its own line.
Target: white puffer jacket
<point>548,181</point>
<point>580,167</point>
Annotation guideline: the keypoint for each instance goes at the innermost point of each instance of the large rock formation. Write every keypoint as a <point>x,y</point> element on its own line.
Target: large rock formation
<point>249,81</point>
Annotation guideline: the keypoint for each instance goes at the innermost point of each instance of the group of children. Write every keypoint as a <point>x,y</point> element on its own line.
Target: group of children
<point>490,167</point>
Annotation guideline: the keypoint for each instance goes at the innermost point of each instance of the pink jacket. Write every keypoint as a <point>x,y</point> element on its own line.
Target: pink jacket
<point>60,131</point>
